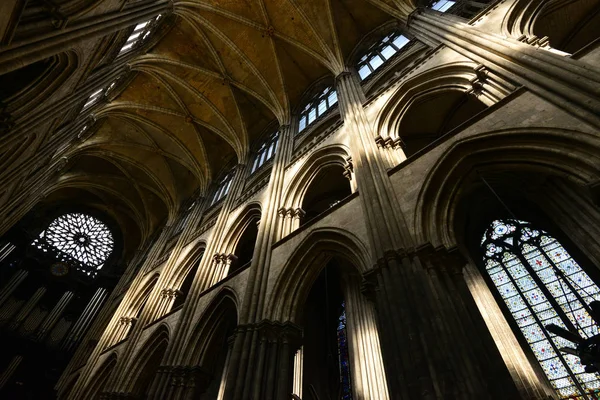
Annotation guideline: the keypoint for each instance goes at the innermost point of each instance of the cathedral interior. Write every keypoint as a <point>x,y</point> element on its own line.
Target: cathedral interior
<point>299,199</point>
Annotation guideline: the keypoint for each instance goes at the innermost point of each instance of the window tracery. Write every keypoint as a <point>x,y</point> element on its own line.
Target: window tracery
<point>442,5</point>
<point>140,33</point>
<point>223,188</point>
<point>379,53</point>
<point>80,237</point>
<point>317,107</point>
<point>540,284</point>
<point>265,152</point>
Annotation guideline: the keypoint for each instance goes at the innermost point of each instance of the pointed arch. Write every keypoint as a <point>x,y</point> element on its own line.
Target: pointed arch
<point>331,155</point>
<point>569,154</point>
<point>251,214</point>
<point>98,380</point>
<point>146,362</point>
<point>212,325</point>
<point>302,268</point>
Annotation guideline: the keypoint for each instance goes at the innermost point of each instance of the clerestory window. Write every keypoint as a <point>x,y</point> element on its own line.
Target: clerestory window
<point>223,188</point>
<point>140,34</point>
<point>265,152</point>
<point>379,53</point>
<point>542,284</point>
<point>442,5</point>
<point>317,107</point>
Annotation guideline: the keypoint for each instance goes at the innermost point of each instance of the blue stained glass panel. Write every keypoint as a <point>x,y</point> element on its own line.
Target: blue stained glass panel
<point>344,359</point>
<point>507,244</point>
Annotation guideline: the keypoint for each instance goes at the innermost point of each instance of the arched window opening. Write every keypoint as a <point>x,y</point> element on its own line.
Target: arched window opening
<point>541,284</point>
<point>245,247</point>
<point>147,374</point>
<point>77,239</point>
<point>187,285</point>
<point>222,188</point>
<point>139,35</point>
<point>317,107</point>
<point>462,8</point>
<point>16,81</point>
<point>380,53</point>
<point>214,351</point>
<point>265,152</point>
<point>431,116</point>
<point>570,26</point>
<point>325,352</point>
<point>328,188</point>
<point>99,94</point>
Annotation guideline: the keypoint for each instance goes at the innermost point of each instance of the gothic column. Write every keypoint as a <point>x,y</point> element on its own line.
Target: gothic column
<point>567,83</point>
<point>367,370</point>
<point>209,270</point>
<point>54,315</point>
<point>16,279</point>
<point>10,370</point>
<point>247,351</point>
<point>85,319</point>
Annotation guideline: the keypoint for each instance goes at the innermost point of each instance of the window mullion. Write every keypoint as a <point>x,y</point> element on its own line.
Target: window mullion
<point>561,274</point>
<point>544,289</point>
<point>539,322</point>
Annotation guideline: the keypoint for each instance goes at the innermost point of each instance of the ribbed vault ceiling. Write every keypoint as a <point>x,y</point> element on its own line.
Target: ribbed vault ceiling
<point>224,71</point>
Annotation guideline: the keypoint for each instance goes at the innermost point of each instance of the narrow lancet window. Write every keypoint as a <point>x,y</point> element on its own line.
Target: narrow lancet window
<point>265,152</point>
<point>542,284</point>
<point>344,358</point>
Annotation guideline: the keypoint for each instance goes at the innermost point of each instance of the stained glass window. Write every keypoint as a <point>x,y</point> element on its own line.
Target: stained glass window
<point>317,107</point>
<point>379,53</point>
<point>344,359</point>
<point>80,237</point>
<point>538,279</point>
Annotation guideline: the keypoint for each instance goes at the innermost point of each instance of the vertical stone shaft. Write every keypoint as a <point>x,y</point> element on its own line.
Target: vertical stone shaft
<point>85,319</point>
<point>110,331</point>
<point>27,51</point>
<point>54,315</point>
<point>248,377</point>
<point>569,84</point>
<point>376,194</point>
<point>14,282</point>
<point>10,370</point>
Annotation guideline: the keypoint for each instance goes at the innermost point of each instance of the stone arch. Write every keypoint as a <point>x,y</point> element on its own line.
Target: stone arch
<point>145,364</point>
<point>567,154</point>
<point>200,338</point>
<point>98,380</point>
<point>305,264</point>
<point>184,276</point>
<point>450,86</point>
<point>137,303</point>
<point>326,156</point>
<point>569,25</point>
<point>189,261</point>
<point>208,348</point>
<point>294,300</point>
<point>29,86</point>
<point>251,213</point>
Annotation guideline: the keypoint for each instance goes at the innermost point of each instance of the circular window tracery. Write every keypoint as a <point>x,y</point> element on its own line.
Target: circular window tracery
<point>81,237</point>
